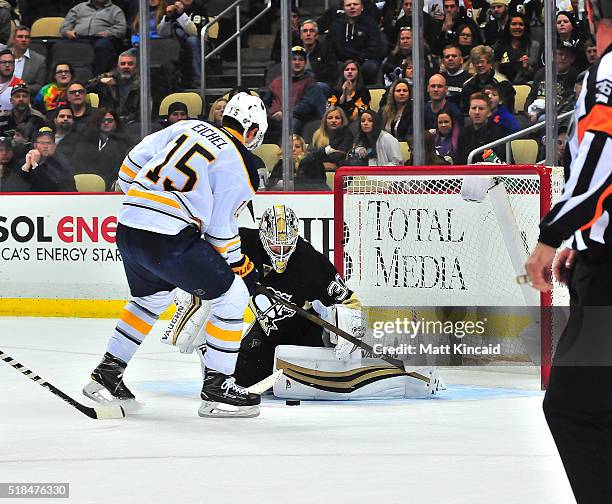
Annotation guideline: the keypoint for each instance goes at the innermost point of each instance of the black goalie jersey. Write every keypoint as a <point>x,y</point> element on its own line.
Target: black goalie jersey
<point>309,276</point>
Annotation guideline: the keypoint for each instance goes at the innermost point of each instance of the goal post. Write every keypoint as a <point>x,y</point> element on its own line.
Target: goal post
<point>413,249</point>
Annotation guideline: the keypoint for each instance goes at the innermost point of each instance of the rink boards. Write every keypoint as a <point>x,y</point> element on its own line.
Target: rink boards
<point>58,253</point>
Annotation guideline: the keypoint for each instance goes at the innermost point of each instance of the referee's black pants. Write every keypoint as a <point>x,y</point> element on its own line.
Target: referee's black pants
<point>578,402</point>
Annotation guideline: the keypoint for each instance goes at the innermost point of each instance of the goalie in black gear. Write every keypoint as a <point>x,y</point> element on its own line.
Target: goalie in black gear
<point>279,338</point>
<point>294,270</point>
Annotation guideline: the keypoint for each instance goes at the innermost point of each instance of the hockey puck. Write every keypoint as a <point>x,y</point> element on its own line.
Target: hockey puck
<point>292,403</point>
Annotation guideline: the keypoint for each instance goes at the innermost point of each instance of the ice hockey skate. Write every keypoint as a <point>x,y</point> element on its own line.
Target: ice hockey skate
<point>222,397</point>
<point>106,383</point>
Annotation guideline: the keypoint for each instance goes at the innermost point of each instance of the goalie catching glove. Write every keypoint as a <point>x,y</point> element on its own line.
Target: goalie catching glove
<point>245,269</point>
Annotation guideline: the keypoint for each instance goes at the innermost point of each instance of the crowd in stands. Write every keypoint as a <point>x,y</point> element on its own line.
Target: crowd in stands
<point>351,86</point>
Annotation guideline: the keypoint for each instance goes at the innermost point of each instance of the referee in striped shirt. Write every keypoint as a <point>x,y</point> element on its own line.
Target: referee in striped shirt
<point>578,401</point>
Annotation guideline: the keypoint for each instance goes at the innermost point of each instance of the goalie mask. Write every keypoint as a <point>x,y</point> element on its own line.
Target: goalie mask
<point>249,111</point>
<point>278,231</point>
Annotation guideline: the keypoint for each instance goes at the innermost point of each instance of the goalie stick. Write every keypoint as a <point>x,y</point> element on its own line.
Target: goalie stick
<point>330,327</point>
<point>104,412</point>
<point>267,383</point>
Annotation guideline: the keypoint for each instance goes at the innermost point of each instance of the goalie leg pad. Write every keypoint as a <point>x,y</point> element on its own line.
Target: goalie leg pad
<point>185,329</point>
<point>316,374</point>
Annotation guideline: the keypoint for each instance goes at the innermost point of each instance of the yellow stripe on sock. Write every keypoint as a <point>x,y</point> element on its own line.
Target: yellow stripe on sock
<point>223,334</point>
<point>133,321</point>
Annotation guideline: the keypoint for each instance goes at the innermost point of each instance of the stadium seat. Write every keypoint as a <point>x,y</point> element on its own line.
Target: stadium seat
<point>376,95</point>
<point>269,154</point>
<point>47,27</point>
<point>191,99</point>
<point>93,99</point>
<point>524,151</point>
<point>405,150</point>
<point>89,182</point>
<point>79,54</point>
<point>522,91</point>
<point>213,30</point>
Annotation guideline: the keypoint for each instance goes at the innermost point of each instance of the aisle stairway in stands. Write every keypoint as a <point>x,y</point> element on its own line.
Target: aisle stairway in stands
<point>257,67</point>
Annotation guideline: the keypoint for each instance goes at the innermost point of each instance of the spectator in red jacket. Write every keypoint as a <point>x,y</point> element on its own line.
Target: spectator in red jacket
<point>307,99</point>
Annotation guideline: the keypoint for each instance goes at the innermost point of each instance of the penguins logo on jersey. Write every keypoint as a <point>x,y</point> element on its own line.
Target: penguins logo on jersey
<point>268,312</point>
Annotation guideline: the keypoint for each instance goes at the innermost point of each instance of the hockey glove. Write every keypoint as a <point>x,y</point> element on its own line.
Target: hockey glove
<point>245,269</point>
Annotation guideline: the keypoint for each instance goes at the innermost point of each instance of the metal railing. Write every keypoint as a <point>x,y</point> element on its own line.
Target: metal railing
<point>508,139</point>
<point>235,36</point>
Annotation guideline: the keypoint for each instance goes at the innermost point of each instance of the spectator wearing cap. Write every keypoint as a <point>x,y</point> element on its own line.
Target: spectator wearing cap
<point>53,94</point>
<point>29,65</point>
<point>46,169</point>
<point>567,73</point>
<point>102,147</point>
<point>99,22</point>
<point>81,110</point>
<point>177,111</point>
<point>307,100</point>
<point>320,57</point>
<point>119,90</point>
<point>275,54</point>
<point>494,29</point>
<point>11,178</point>
<point>356,36</point>
<point>22,114</point>
<point>7,79</point>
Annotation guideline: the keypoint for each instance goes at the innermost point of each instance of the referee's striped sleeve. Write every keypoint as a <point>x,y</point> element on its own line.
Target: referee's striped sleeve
<point>583,209</point>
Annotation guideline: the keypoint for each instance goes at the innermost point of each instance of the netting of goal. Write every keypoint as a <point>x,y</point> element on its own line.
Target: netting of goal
<point>433,269</point>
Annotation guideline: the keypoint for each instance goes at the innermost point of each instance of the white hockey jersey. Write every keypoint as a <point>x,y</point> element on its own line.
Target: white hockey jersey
<point>191,173</point>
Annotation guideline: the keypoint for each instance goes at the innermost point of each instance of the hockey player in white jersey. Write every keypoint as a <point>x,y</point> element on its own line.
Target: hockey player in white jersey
<point>185,186</point>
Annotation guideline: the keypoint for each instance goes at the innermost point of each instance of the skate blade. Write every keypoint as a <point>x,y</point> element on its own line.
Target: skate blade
<point>211,409</point>
<point>99,394</point>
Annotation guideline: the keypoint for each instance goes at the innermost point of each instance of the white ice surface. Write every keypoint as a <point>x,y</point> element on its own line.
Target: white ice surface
<point>483,441</point>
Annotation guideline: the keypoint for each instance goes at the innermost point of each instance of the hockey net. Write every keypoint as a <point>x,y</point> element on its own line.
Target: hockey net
<point>431,267</point>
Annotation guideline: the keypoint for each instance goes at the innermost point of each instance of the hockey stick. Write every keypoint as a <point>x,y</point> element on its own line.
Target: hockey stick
<point>336,330</point>
<point>267,383</point>
<point>104,412</point>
